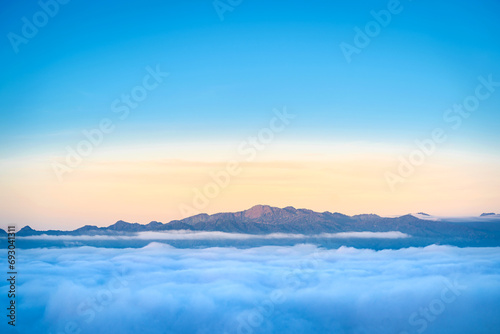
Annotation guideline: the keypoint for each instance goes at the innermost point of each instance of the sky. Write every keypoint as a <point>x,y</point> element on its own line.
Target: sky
<point>126,111</point>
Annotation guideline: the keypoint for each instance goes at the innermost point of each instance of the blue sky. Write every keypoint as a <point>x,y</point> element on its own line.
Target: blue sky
<point>354,120</point>
<point>225,76</point>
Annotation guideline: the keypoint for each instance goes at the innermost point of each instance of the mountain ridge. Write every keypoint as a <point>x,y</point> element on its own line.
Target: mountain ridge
<point>263,219</point>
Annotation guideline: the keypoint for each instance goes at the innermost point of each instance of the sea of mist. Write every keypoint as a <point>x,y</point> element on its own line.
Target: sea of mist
<point>207,239</point>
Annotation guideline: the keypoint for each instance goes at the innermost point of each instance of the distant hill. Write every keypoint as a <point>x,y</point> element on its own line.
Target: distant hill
<point>262,219</point>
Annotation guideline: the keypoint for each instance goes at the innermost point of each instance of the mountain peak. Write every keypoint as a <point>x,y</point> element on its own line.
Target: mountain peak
<point>87,228</point>
<point>258,211</point>
<point>290,209</point>
<point>121,226</point>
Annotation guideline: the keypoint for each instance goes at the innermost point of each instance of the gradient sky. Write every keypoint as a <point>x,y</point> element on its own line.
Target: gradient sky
<point>225,79</point>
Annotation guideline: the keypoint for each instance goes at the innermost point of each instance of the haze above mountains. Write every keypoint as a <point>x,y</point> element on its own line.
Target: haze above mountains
<point>264,219</point>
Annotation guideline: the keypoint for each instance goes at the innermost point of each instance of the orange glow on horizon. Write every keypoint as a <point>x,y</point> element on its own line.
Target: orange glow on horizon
<point>142,190</point>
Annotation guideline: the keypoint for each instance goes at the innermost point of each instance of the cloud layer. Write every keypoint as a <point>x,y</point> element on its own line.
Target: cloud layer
<point>203,235</point>
<point>271,289</point>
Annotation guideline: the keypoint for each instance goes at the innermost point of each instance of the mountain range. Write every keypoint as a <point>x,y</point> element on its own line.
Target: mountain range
<point>263,219</point>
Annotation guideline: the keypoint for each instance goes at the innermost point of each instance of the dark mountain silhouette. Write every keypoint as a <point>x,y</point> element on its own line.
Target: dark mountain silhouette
<point>423,214</point>
<point>262,219</point>
<point>26,230</point>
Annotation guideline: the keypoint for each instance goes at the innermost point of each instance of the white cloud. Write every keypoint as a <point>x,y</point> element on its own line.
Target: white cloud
<point>271,289</point>
<point>203,235</point>
<point>366,235</point>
